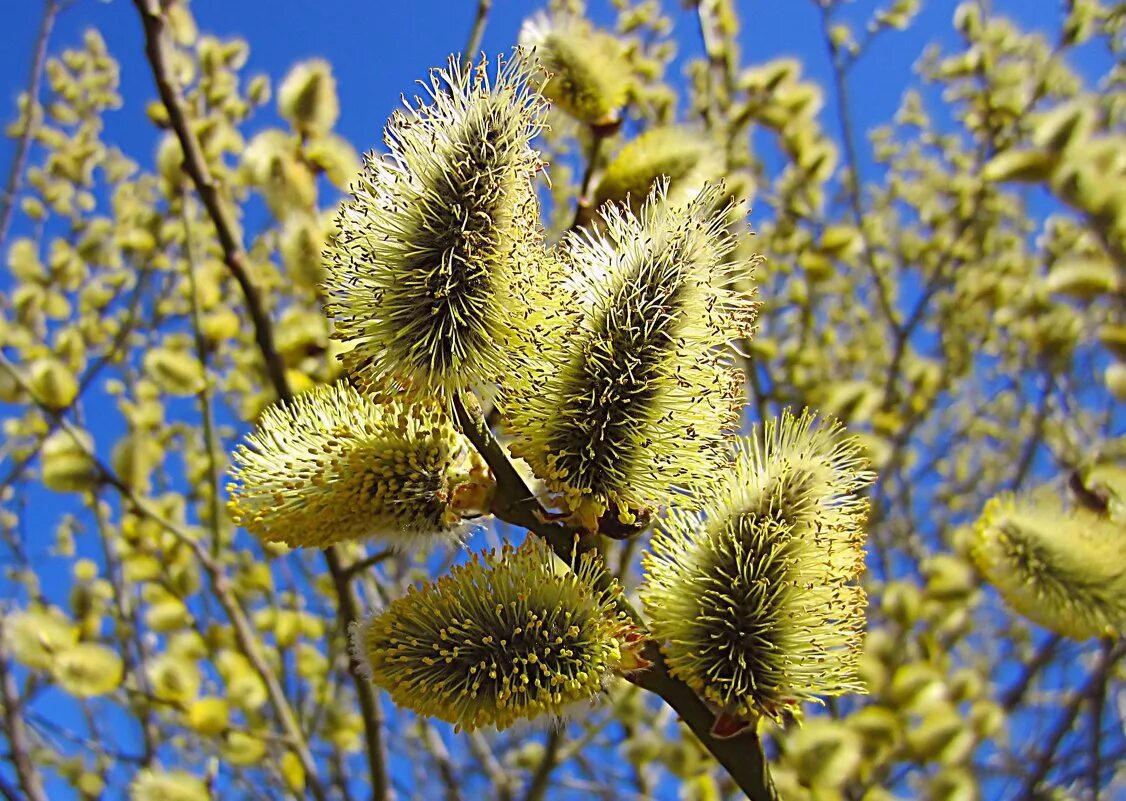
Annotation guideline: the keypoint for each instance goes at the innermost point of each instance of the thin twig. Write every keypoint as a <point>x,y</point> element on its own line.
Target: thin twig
<point>234,255</point>
<point>741,756</point>
<point>477,32</point>
<point>1111,653</point>
<point>1043,656</point>
<point>852,163</point>
<point>446,770</point>
<point>361,565</point>
<point>28,777</point>
<point>23,142</point>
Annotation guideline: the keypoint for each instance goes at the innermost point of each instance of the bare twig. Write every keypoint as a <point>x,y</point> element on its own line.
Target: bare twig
<point>1111,653</point>
<point>852,161</point>
<point>477,32</point>
<point>26,774</point>
<point>23,142</point>
<point>234,255</point>
<point>1043,656</point>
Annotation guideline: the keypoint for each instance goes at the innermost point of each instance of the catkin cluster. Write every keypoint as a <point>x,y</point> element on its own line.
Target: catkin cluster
<point>609,357</point>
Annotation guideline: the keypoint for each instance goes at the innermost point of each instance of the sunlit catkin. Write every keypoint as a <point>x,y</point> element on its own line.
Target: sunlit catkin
<point>501,638</point>
<point>637,395</point>
<point>335,465</point>
<point>1065,571</point>
<point>678,154</point>
<point>430,274</point>
<point>587,74</point>
<point>754,603</point>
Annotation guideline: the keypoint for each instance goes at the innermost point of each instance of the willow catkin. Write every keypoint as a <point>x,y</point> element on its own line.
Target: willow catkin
<point>504,637</point>
<point>638,395</point>
<point>1063,570</point>
<point>586,73</point>
<point>679,155</point>
<point>334,465</point>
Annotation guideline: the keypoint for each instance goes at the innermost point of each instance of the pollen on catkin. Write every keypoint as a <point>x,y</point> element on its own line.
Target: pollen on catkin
<point>753,602</point>
<point>501,638</point>
<point>334,465</point>
<point>587,74</point>
<point>438,250</point>
<point>1063,570</point>
<point>637,394</point>
<point>678,154</point>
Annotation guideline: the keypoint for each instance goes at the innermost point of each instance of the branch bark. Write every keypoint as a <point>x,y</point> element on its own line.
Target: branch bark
<point>26,774</point>
<point>234,255</point>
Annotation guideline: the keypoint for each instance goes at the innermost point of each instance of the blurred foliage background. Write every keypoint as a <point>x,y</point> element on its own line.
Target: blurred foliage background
<point>950,283</point>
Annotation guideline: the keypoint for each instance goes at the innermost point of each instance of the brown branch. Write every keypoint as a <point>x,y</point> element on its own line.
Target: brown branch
<point>1111,653</point>
<point>23,143</point>
<point>234,255</point>
<point>26,774</point>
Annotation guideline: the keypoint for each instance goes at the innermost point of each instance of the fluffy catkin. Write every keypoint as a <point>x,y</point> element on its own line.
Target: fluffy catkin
<point>679,155</point>
<point>587,74</point>
<point>501,638</point>
<point>754,603</point>
<point>439,249</point>
<point>635,395</point>
<point>335,465</point>
<point>1065,571</point>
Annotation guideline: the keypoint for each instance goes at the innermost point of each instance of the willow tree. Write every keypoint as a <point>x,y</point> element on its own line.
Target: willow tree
<point>422,475</point>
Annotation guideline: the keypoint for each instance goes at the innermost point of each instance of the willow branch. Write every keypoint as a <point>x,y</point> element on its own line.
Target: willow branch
<point>23,142</point>
<point>1040,660</point>
<point>234,255</point>
<point>220,585</point>
<point>1090,689</point>
<point>537,788</point>
<point>26,774</point>
<point>852,161</point>
<point>477,32</point>
<point>741,756</point>
<point>195,164</point>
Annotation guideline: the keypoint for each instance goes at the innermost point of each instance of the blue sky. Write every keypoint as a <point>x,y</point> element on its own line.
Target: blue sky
<point>379,49</point>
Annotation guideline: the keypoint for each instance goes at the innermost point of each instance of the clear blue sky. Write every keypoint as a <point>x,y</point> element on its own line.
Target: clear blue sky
<point>379,48</point>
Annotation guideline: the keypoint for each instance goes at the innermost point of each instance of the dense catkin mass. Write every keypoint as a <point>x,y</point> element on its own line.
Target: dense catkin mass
<point>1065,571</point>
<point>636,395</point>
<point>587,74</point>
<point>501,638</point>
<point>334,465</point>
<point>754,603</point>
<point>438,251</point>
